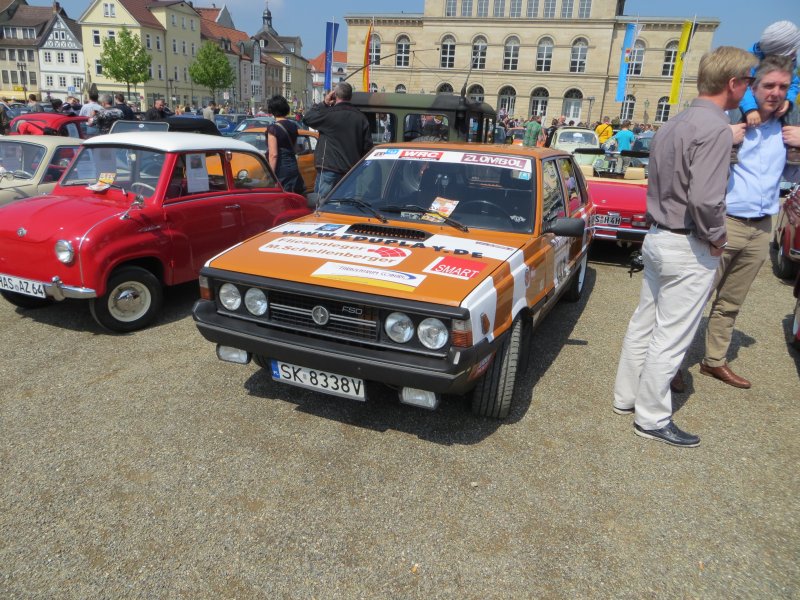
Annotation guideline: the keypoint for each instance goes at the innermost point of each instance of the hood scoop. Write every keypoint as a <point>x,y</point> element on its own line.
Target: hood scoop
<point>404,233</point>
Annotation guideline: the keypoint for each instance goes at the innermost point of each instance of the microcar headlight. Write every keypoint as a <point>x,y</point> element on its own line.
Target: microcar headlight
<point>399,327</point>
<point>255,301</point>
<point>229,296</point>
<point>432,333</point>
<point>64,251</point>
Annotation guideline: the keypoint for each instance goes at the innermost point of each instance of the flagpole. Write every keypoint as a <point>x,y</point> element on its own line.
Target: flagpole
<point>683,71</point>
<point>633,49</point>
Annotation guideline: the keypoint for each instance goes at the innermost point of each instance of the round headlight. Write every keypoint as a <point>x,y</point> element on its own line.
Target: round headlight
<point>432,333</point>
<point>64,251</point>
<point>399,327</point>
<point>229,296</point>
<point>255,301</point>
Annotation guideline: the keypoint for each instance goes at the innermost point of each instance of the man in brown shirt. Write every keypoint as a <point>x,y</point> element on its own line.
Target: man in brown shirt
<point>688,175</point>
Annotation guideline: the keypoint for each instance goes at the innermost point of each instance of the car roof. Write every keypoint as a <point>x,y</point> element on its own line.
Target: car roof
<point>49,141</point>
<point>169,141</point>
<point>49,118</point>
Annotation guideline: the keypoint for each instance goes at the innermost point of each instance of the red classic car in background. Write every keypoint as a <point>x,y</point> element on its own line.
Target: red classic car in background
<point>135,212</point>
<point>49,124</point>
<point>786,241</point>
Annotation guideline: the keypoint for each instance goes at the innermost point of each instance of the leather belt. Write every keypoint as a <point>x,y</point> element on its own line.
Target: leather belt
<point>749,219</point>
<point>678,231</point>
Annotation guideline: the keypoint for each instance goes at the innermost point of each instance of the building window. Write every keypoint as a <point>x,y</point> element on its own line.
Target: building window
<point>191,25</point>
<point>670,56</point>
<point>636,58</point>
<point>147,41</point>
<point>403,58</point>
<point>111,35</point>
<point>109,10</point>
<point>447,58</point>
<point>32,77</point>
<point>2,54</point>
<point>193,49</point>
<point>158,43</point>
<point>29,33</point>
<point>400,89</point>
<point>150,71</point>
<point>450,8</point>
<point>9,32</point>
<point>48,80</point>
<point>12,54</point>
<point>466,8</point>
<point>60,58</point>
<point>499,8</point>
<point>566,9</point>
<point>533,9</point>
<point>5,76</point>
<point>662,110</point>
<point>96,37</point>
<point>511,54</point>
<point>62,81</point>
<point>373,88</point>
<point>73,58</point>
<point>539,98</point>
<point>77,82</point>
<point>626,112</point>
<point>98,67</point>
<point>483,8</point>
<point>515,9</point>
<point>183,47</point>
<point>476,93</point>
<point>572,105</point>
<point>544,54</point>
<point>584,9</point>
<point>374,50</point>
<point>174,46</point>
<point>48,57</point>
<point>577,58</point>
<point>479,53</point>
<point>183,22</point>
<point>445,88</point>
<point>14,77</point>
<point>506,99</point>
<point>549,9</point>
<point>160,72</point>
<point>185,73</point>
<point>175,73</point>
<point>173,20</point>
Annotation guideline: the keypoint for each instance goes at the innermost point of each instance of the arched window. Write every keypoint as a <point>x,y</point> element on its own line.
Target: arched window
<point>577,58</point>
<point>572,105</point>
<point>475,93</point>
<point>662,110</point>
<point>544,54</point>
<point>511,54</point>
<point>584,9</point>
<point>450,8</point>
<point>466,8</point>
<point>670,55</point>
<point>374,50</point>
<point>479,53</point>
<point>447,55</point>
<point>626,112</point>
<point>403,49</point>
<point>499,8</point>
<point>507,99</point>
<point>400,88</point>
<point>373,87</point>
<point>445,88</point>
<point>539,98</point>
<point>637,57</point>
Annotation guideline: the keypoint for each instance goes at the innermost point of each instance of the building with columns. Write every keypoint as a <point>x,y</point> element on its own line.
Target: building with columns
<point>546,57</point>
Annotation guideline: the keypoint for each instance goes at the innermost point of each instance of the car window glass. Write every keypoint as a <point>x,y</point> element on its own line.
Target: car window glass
<point>571,184</point>
<point>134,169</point>
<point>249,172</point>
<point>20,159</point>
<point>552,194</point>
<point>72,130</point>
<point>302,146</point>
<point>433,125</point>
<point>59,163</point>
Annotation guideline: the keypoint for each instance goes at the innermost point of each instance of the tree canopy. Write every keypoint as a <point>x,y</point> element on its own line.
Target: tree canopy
<point>125,59</point>
<point>211,69</point>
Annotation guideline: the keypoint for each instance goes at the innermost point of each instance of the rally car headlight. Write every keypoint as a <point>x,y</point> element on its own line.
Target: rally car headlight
<point>432,333</point>
<point>399,327</point>
<point>255,301</point>
<point>229,296</point>
<point>64,251</point>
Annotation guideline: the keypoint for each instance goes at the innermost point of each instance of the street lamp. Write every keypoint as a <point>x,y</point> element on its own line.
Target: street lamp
<point>23,78</point>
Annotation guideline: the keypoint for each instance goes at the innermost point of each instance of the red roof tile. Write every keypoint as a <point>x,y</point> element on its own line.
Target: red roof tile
<point>319,62</point>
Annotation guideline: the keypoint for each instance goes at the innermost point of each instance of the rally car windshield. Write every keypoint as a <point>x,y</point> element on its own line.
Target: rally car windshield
<point>475,190</point>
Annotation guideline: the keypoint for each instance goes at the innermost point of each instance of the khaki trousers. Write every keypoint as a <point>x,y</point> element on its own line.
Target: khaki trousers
<point>747,250</point>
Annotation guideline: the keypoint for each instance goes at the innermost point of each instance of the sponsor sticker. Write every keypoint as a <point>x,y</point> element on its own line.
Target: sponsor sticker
<point>384,256</point>
<point>393,280</point>
<point>423,154</point>
<point>443,206</point>
<point>456,267</point>
<point>508,162</point>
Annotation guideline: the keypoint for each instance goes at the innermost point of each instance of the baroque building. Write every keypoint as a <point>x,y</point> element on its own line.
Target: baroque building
<point>545,57</point>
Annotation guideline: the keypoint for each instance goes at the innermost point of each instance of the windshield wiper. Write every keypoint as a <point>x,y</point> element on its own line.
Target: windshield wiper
<point>360,204</point>
<point>425,211</point>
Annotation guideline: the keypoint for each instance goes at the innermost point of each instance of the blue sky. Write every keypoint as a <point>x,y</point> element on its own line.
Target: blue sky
<point>742,21</point>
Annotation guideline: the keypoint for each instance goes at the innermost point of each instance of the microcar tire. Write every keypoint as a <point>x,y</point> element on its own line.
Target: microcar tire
<point>132,300</point>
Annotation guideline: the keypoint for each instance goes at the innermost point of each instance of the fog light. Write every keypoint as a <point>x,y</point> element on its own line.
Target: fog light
<point>421,398</point>
<point>233,355</point>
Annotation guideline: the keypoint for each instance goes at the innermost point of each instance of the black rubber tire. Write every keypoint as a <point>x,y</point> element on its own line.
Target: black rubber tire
<point>24,301</point>
<point>783,267</point>
<point>493,395</point>
<point>128,284</point>
<point>262,361</point>
<point>796,326</point>
<point>576,285</point>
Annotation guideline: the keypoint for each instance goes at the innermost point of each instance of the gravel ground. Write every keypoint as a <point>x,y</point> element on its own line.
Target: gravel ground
<point>140,466</point>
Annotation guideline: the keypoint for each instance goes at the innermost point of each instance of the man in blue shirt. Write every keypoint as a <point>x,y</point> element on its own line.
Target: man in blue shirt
<point>624,139</point>
<point>751,201</point>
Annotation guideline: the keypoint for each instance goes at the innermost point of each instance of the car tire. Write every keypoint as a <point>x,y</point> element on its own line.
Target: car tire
<point>262,361</point>
<point>796,326</point>
<point>784,267</point>
<point>132,300</point>
<point>493,395</point>
<point>575,289</point>
<point>23,301</point>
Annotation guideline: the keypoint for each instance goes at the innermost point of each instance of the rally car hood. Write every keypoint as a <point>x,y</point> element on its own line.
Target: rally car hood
<point>427,262</point>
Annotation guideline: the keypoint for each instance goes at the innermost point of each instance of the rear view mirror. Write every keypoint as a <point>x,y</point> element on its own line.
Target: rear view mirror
<point>565,226</point>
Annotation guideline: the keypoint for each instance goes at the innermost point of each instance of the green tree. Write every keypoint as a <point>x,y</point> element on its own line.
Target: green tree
<point>125,59</point>
<point>211,69</point>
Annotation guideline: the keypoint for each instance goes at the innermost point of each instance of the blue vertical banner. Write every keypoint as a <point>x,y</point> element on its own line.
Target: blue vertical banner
<point>331,30</point>
<point>625,59</point>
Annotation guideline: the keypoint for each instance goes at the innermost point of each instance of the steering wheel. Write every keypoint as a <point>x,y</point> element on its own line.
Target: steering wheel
<point>21,174</point>
<point>486,203</point>
<point>144,185</point>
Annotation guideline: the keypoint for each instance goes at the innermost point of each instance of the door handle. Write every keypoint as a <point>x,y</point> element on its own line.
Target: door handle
<point>233,206</point>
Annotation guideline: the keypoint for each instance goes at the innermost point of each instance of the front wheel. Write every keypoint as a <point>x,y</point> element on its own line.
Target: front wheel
<point>575,290</point>
<point>494,393</point>
<point>24,301</point>
<point>784,267</point>
<point>131,302</point>
<point>796,326</point>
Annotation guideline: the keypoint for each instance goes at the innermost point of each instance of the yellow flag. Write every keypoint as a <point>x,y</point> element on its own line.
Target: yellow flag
<point>365,75</point>
<point>677,75</point>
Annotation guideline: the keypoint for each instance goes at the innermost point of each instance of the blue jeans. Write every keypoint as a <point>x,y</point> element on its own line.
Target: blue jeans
<point>325,182</point>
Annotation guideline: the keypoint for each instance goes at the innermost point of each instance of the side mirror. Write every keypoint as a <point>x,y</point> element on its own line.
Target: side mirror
<point>565,226</point>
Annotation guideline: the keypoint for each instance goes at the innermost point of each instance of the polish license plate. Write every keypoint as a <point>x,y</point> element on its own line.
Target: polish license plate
<point>22,286</point>
<point>321,381</point>
<point>607,220</point>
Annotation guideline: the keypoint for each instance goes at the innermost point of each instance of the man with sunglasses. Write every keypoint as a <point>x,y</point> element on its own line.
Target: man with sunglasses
<point>751,201</point>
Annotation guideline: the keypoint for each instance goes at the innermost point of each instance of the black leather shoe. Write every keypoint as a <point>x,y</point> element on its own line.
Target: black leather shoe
<point>669,434</point>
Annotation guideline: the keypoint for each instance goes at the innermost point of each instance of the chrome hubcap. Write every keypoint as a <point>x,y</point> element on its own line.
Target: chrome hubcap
<point>129,301</point>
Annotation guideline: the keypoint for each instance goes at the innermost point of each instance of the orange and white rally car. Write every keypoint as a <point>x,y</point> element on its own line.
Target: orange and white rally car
<point>425,269</point>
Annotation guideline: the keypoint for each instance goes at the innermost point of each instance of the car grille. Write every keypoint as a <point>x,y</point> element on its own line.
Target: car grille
<point>353,321</point>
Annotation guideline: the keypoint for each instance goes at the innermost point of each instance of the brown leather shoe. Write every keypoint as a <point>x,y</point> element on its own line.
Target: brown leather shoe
<point>678,385</point>
<point>725,375</point>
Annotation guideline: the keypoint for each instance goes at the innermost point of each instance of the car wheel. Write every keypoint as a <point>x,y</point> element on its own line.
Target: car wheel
<point>575,290</point>
<point>796,326</point>
<point>24,301</point>
<point>784,268</point>
<point>131,302</point>
<point>495,390</point>
<point>262,361</point>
